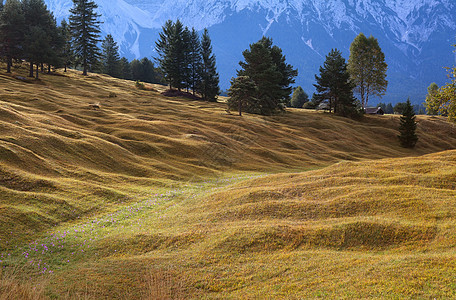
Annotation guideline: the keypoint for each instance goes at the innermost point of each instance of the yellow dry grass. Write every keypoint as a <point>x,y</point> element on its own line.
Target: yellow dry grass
<point>113,192</point>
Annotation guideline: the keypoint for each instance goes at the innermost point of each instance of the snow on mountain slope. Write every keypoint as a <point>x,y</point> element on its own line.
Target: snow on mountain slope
<point>122,20</point>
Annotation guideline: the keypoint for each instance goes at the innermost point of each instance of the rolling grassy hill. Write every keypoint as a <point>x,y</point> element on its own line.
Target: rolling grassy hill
<point>107,191</point>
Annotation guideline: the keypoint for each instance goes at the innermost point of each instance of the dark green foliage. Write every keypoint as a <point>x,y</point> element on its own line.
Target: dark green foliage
<point>110,56</point>
<point>389,109</point>
<point>66,53</point>
<point>335,87</point>
<point>367,68</point>
<point>242,93</point>
<point>407,127</point>
<point>209,86</point>
<point>313,103</point>
<point>144,71</point>
<point>42,39</point>
<point>195,61</point>
<point>171,49</point>
<point>12,30</point>
<point>125,69</point>
<point>399,108</point>
<point>299,98</point>
<point>265,66</point>
<point>85,29</point>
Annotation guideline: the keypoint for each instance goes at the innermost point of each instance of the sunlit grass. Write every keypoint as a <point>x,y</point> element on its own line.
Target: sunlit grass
<point>150,197</point>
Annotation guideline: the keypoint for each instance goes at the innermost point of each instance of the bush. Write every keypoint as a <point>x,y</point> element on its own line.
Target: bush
<point>140,85</point>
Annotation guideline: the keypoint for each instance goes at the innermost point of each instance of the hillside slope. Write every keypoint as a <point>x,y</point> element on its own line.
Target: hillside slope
<point>59,151</point>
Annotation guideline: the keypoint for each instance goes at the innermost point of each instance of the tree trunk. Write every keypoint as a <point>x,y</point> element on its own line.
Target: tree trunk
<point>9,63</point>
<point>42,67</point>
<point>65,68</point>
<point>31,70</point>
<point>240,107</point>
<point>37,71</point>
<point>49,69</point>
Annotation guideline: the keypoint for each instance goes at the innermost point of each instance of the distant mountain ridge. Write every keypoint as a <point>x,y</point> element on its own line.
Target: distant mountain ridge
<point>416,36</point>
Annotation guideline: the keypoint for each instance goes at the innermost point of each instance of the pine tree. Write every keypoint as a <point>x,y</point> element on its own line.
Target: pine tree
<point>85,29</point>
<point>125,69</point>
<point>265,65</point>
<point>299,98</point>
<point>334,85</point>
<point>110,56</point>
<point>286,70</point>
<point>11,32</point>
<point>260,68</point>
<point>407,127</point>
<point>243,92</point>
<point>209,87</point>
<point>195,60</point>
<point>367,68</point>
<point>66,53</point>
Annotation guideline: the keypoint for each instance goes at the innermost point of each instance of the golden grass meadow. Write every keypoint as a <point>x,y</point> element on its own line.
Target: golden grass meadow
<point>111,192</point>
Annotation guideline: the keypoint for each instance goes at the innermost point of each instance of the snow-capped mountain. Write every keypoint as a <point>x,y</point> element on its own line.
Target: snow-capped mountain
<point>416,35</point>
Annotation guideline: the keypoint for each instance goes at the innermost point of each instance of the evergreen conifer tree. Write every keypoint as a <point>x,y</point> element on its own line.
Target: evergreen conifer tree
<point>266,67</point>
<point>110,56</point>
<point>40,34</point>
<point>389,108</point>
<point>11,32</point>
<point>125,68</point>
<point>286,70</point>
<point>85,29</point>
<point>171,49</point>
<point>66,53</point>
<point>334,85</point>
<point>407,127</point>
<point>195,60</point>
<point>242,92</point>
<point>209,87</point>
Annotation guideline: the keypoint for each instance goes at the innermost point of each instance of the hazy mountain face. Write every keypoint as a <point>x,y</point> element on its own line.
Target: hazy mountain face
<point>416,36</point>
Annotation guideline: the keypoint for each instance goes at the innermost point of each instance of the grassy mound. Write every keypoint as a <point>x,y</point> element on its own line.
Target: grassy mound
<point>146,196</point>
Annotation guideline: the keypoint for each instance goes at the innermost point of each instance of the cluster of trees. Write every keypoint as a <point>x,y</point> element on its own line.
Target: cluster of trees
<point>187,61</point>
<point>28,31</point>
<point>111,64</point>
<point>442,101</point>
<point>262,86</point>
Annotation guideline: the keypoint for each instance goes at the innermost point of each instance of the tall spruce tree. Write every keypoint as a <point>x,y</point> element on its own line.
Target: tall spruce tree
<point>407,127</point>
<point>195,61</point>
<point>209,87</point>
<point>171,49</point>
<point>367,68</point>
<point>110,56</point>
<point>12,31</point>
<point>66,53</point>
<point>85,29</point>
<point>334,85</point>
